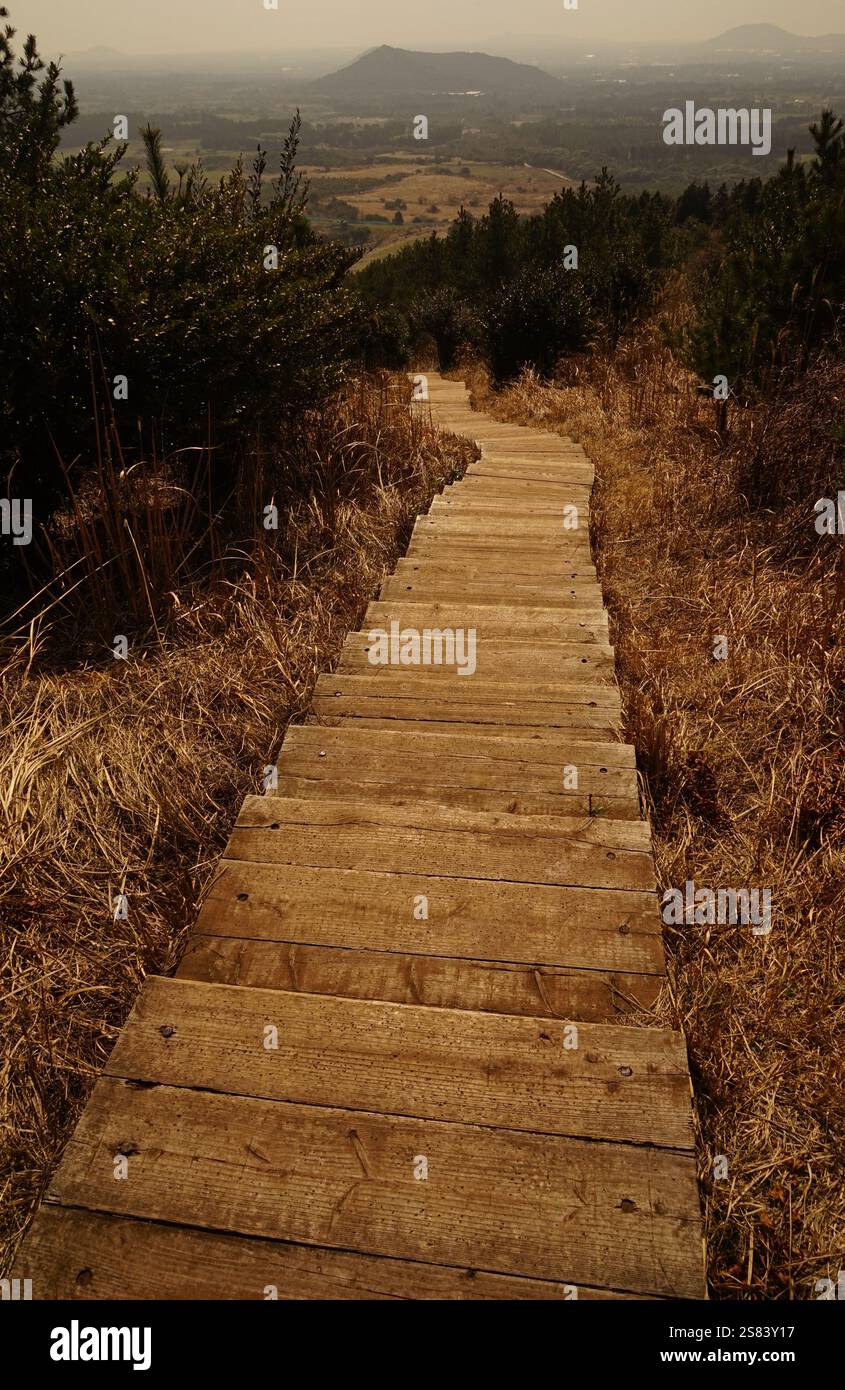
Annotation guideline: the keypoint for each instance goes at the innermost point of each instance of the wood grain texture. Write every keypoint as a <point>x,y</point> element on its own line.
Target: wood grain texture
<point>504,1201</point>
<point>434,982</point>
<point>466,918</point>
<point>501,656</point>
<point>444,841</point>
<point>587,1080</point>
<point>84,1255</point>
<point>404,682</point>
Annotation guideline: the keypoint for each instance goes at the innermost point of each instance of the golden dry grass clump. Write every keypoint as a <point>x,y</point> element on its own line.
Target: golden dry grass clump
<point>124,777</point>
<point>700,533</point>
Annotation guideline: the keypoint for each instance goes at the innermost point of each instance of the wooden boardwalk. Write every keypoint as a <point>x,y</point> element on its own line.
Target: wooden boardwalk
<point>394,1062</point>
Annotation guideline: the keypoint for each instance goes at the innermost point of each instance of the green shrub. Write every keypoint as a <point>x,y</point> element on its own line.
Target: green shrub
<point>773,293</point>
<point>540,316</point>
<point>170,291</point>
<point>448,319</point>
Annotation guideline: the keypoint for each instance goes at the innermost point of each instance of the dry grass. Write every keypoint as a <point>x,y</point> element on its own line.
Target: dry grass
<point>125,777</point>
<point>695,536</point>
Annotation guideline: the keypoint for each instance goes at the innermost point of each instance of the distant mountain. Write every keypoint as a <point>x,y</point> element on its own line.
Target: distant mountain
<point>770,38</point>
<point>99,53</point>
<point>391,72</point>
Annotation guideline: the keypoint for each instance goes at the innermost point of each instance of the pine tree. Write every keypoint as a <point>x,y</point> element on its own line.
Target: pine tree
<point>32,113</point>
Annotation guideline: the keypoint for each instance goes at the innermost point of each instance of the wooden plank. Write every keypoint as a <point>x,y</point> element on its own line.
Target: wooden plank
<point>510,659</point>
<point>490,482</point>
<point>505,1201</point>
<point>470,919</point>
<point>393,681</point>
<point>399,790</point>
<point>594,1081</point>
<point>457,704</point>
<point>507,445</point>
<point>503,550</point>
<point>439,982</point>
<point>523,492</point>
<point>520,571</point>
<point>557,595</point>
<point>452,842</point>
<point>82,1255</point>
<point>495,527</point>
<point>452,540</point>
<point>456,754</point>
<point>514,514</point>
<point>503,556</point>
<point>496,594</point>
<point>259,812</point>
<point>567,466</point>
<point>544,624</point>
<point>458,502</point>
<point>425,724</point>
<point>498,518</point>
<point>483,563</point>
<point>517,438</point>
<point>461,501</point>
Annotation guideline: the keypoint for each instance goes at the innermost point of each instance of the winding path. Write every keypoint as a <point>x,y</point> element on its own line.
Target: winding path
<point>395,1061</point>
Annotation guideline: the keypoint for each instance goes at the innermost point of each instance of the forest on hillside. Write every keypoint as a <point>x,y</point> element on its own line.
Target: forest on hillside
<point>192,323</point>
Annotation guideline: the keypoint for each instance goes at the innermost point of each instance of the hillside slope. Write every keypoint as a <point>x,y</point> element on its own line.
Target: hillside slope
<point>389,71</point>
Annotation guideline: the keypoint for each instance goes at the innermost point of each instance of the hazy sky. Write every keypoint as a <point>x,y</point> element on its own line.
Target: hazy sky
<point>173,26</point>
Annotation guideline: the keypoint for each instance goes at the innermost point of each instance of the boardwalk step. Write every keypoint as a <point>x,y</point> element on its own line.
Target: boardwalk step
<point>439,982</point>
<point>414,913</point>
<point>602,1214</point>
<point>510,659</point>
<point>448,841</point>
<point>461,769</point>
<point>592,1081</point>
<point>90,1255</point>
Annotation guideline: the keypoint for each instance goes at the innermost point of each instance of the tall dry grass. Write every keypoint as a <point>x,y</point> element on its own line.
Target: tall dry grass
<point>124,777</point>
<point>700,532</point>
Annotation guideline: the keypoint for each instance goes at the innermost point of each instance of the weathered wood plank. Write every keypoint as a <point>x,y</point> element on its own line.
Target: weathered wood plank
<point>559,595</point>
<point>469,918</point>
<point>490,481</point>
<point>477,504</point>
<point>520,553</point>
<point>439,982</point>
<point>356,749</point>
<point>436,840</point>
<point>500,1200</point>
<point>481,574</point>
<point>526,624</point>
<point>81,1255</point>
<point>427,725</point>
<point>478,563</point>
<point>585,1080</point>
<point>503,529</point>
<point>403,791</point>
<point>401,681</point>
<point>260,811</point>
<point>499,656</point>
<point>583,591</point>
